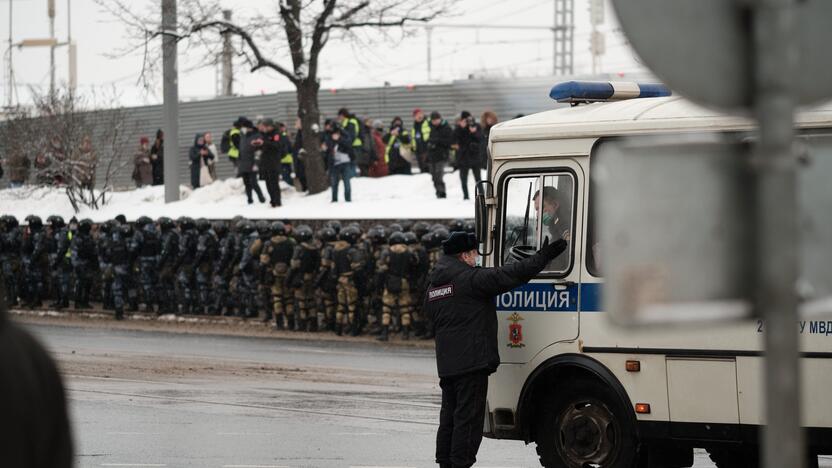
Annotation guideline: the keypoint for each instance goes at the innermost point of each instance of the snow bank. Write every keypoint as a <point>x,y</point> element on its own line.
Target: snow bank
<point>393,197</point>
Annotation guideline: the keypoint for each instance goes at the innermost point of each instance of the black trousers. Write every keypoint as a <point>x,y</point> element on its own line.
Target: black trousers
<point>250,181</point>
<point>461,419</point>
<point>272,177</point>
<point>463,176</point>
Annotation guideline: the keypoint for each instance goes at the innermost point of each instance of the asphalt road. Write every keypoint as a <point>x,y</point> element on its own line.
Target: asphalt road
<point>147,399</point>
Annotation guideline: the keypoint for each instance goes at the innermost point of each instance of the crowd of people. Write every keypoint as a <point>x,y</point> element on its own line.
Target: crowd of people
<point>265,150</point>
<point>339,278</point>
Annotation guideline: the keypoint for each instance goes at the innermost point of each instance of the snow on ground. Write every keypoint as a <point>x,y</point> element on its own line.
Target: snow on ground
<point>392,197</point>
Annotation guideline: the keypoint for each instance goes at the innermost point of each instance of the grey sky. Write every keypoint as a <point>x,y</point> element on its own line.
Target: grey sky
<point>457,53</point>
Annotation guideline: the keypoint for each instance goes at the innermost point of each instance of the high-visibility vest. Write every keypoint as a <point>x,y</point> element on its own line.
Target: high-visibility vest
<point>354,122</point>
<point>287,158</point>
<point>390,143</point>
<point>425,134</point>
<point>233,151</point>
<point>68,253</point>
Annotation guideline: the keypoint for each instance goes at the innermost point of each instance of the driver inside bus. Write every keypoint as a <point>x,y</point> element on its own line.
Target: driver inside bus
<point>553,211</point>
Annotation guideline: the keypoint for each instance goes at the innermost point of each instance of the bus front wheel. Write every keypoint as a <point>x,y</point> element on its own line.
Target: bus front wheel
<point>586,424</point>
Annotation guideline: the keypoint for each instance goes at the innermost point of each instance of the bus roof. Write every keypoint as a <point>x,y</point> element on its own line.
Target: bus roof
<point>635,116</point>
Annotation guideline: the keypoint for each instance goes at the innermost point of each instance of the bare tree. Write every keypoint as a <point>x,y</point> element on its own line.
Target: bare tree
<point>288,40</point>
<point>61,142</point>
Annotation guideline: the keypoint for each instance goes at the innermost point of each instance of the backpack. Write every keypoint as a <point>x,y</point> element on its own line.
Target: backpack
<point>225,142</point>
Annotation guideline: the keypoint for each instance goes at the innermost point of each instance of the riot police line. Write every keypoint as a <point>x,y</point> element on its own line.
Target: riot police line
<point>339,278</point>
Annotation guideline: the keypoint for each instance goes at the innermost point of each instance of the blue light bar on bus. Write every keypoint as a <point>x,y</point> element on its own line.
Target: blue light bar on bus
<point>577,92</point>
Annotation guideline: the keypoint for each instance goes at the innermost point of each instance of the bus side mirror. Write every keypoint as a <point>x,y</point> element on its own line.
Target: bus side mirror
<point>484,193</point>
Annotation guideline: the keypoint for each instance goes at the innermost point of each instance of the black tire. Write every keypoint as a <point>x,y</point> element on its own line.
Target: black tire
<point>743,456</point>
<point>586,424</point>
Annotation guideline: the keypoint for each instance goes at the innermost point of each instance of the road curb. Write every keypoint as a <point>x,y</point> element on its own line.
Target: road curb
<point>189,324</point>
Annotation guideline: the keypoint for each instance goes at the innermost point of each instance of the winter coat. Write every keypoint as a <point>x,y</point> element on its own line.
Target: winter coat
<point>460,303</point>
<point>247,161</point>
<point>468,154</point>
<point>142,169</point>
<point>344,145</point>
<point>439,144</point>
<point>273,149</point>
<point>157,160</point>
<point>195,156</point>
<point>378,167</point>
<point>396,164</point>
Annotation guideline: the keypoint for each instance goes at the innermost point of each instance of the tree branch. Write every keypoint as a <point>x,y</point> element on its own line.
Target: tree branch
<point>260,60</point>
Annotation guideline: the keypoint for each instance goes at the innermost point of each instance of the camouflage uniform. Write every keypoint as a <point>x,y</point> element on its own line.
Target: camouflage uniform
<point>206,255</point>
<point>325,283</point>
<point>223,268</point>
<point>347,261</point>
<point>122,263</point>
<point>378,241</point>
<point>105,263</point>
<point>419,279</point>
<point>147,246</point>
<point>248,273</point>
<point>397,265</point>
<point>83,258</point>
<point>188,241</point>
<point>60,267</point>
<point>167,262</point>
<point>264,275</point>
<point>306,261</point>
<point>10,257</point>
<point>276,257</point>
<point>35,261</point>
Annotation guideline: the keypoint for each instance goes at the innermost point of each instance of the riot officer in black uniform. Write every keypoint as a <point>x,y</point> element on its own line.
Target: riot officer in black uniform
<point>222,268</point>
<point>122,262</point>
<point>326,283</point>
<point>166,266</point>
<point>105,262</point>
<point>188,241</point>
<point>249,263</point>
<point>59,263</point>
<point>35,261</point>
<point>10,257</point>
<point>148,247</point>
<point>84,256</point>
<point>206,255</point>
<point>264,275</point>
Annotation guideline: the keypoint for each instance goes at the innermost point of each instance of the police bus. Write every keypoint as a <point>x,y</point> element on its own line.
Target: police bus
<point>586,392</point>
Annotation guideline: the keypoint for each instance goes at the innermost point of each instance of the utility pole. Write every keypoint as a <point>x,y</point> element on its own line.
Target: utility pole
<point>227,60</point>
<point>10,85</point>
<point>597,41</point>
<point>51,12</point>
<point>429,30</point>
<point>171,100</point>
<point>73,63</point>
<point>775,38</point>
<point>563,30</point>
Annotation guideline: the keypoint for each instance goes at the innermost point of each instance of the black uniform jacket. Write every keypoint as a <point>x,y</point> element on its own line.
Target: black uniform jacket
<point>460,301</point>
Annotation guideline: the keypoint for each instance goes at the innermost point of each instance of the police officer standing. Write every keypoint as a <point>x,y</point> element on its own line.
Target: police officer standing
<point>83,256</point>
<point>460,300</point>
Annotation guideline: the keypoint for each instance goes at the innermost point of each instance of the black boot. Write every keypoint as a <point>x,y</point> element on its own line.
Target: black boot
<point>356,328</point>
<point>339,330</point>
<point>278,322</point>
<point>385,333</point>
<point>405,332</point>
<point>291,324</point>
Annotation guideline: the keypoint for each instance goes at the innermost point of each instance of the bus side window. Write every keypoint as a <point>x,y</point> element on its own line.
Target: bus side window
<point>557,220</point>
<point>520,224</point>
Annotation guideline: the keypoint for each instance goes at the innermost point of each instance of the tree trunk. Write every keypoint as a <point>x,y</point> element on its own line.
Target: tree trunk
<point>317,179</point>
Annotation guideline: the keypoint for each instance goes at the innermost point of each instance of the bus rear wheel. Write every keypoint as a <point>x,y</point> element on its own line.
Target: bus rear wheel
<point>586,424</point>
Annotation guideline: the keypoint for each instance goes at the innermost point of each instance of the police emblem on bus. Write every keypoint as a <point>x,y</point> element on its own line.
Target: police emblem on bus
<point>515,331</point>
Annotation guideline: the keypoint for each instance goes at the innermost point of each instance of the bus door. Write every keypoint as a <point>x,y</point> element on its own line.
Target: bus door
<point>538,205</point>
